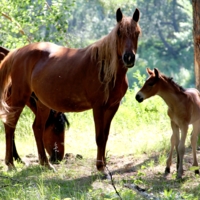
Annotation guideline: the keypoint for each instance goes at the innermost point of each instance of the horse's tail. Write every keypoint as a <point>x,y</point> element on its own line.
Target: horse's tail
<point>5,83</point>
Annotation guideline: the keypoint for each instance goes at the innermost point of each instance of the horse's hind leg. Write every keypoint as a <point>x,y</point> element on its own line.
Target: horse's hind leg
<point>15,153</point>
<point>194,138</point>
<point>9,133</point>
<point>38,128</point>
<point>174,143</point>
<point>181,149</point>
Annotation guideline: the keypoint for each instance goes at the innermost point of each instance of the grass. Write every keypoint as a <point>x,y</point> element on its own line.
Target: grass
<point>136,152</point>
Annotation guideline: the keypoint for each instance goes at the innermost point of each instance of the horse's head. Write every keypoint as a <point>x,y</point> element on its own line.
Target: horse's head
<point>54,135</point>
<point>150,87</point>
<point>127,36</point>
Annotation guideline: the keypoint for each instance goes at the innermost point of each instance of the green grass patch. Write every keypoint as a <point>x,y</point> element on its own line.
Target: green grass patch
<point>137,149</point>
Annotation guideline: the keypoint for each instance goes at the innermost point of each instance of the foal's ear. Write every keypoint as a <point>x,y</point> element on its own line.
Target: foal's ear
<point>157,73</point>
<point>119,15</point>
<point>150,72</point>
<point>136,15</point>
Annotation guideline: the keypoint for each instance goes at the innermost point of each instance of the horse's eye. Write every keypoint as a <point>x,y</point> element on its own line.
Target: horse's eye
<point>151,84</point>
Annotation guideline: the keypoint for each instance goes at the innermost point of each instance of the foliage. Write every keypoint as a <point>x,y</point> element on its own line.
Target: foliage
<point>31,21</point>
<point>167,36</point>
<point>166,40</point>
<point>166,43</point>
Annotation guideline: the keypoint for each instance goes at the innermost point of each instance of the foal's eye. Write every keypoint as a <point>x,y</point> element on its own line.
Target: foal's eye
<point>151,84</point>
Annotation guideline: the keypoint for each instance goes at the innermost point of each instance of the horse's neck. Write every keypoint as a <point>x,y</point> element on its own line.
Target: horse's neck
<point>170,94</point>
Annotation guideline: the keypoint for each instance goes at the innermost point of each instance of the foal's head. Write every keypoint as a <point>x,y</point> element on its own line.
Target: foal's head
<point>150,87</point>
<point>128,31</point>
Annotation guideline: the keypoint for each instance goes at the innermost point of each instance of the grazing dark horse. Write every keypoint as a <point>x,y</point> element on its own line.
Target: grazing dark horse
<point>183,109</point>
<point>54,133</point>
<point>70,80</point>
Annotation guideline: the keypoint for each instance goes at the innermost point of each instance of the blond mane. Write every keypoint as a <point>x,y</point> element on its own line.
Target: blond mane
<point>104,51</point>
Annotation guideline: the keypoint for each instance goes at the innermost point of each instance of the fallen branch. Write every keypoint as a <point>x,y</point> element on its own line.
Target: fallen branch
<point>112,182</point>
<point>141,192</point>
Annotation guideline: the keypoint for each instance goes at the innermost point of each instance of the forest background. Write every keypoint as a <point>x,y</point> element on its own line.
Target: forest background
<point>143,129</point>
<point>166,41</point>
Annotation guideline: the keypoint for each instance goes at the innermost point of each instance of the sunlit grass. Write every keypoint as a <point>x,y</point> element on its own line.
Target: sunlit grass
<point>136,130</point>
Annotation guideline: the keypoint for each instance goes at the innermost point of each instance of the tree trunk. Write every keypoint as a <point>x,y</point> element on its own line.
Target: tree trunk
<point>196,37</point>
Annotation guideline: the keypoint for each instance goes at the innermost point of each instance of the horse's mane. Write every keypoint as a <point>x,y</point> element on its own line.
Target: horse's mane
<point>176,85</point>
<point>104,51</point>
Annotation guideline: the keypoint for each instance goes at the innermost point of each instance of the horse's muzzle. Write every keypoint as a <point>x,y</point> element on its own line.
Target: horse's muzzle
<point>139,98</point>
<point>129,59</point>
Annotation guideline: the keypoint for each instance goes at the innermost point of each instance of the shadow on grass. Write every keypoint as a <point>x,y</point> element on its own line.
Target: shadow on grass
<point>36,178</point>
<point>152,178</point>
<point>149,177</point>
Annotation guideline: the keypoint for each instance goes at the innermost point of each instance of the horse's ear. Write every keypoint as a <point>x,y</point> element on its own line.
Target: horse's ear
<point>136,15</point>
<point>119,15</point>
<point>157,73</point>
<point>150,72</point>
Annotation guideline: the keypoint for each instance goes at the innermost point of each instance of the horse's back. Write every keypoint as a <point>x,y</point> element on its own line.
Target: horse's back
<point>60,77</point>
<point>193,99</point>
<point>194,95</point>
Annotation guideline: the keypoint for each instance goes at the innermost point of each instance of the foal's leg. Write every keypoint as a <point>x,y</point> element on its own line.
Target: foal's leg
<point>181,149</point>
<point>102,119</point>
<point>174,142</point>
<point>194,138</point>
<point>38,128</point>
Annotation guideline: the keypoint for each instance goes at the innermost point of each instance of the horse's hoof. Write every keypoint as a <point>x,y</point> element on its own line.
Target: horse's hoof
<point>179,177</point>
<point>51,167</point>
<point>196,171</point>
<point>22,162</point>
<point>48,165</point>
<point>167,171</point>
<point>105,176</point>
<point>11,168</point>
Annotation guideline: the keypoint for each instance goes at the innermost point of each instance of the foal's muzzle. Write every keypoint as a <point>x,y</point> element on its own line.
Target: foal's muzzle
<point>139,98</point>
<point>129,59</point>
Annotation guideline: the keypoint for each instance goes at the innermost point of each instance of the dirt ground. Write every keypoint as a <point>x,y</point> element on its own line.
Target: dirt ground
<point>144,171</point>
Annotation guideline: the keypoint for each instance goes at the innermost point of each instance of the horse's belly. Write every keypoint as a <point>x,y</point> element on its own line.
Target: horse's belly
<point>74,105</point>
<point>66,104</point>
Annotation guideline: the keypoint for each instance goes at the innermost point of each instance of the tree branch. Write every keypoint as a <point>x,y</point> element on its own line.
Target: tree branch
<point>18,25</point>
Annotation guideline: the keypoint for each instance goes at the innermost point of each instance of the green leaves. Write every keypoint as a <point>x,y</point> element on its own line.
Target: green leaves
<point>35,21</point>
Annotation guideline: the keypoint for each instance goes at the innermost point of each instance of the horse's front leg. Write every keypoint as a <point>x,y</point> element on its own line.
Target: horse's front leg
<point>174,142</point>
<point>38,128</point>
<point>9,133</point>
<point>102,118</point>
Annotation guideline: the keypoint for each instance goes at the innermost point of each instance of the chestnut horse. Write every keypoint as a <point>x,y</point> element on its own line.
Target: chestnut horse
<point>54,133</point>
<point>183,109</point>
<point>70,80</point>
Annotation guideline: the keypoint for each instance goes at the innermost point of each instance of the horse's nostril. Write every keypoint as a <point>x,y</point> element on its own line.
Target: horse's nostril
<point>138,98</point>
<point>129,58</point>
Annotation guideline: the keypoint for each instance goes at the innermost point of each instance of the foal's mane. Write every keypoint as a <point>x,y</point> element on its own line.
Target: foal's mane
<point>174,84</point>
<point>104,51</point>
